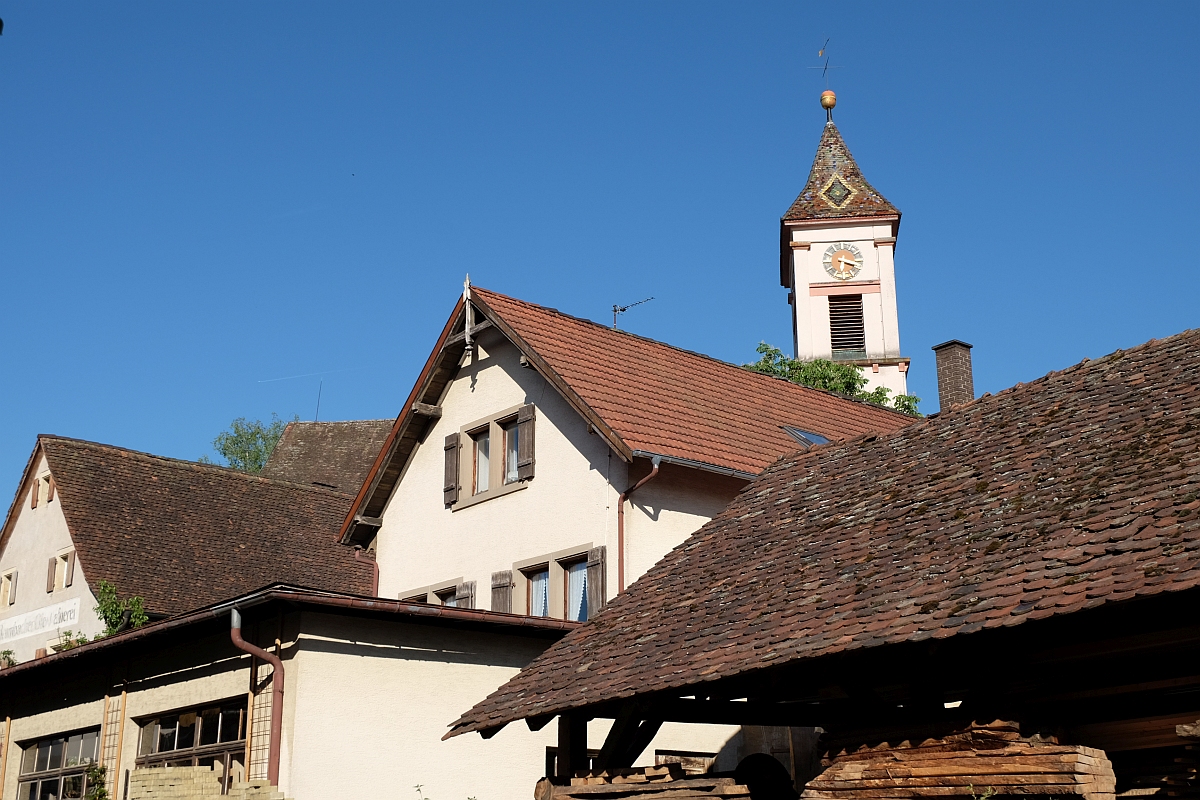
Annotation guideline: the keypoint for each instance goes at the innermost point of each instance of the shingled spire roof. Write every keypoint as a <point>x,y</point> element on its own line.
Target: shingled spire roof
<point>836,187</point>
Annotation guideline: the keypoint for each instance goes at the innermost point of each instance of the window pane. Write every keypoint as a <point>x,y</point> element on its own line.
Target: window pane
<point>48,790</point>
<point>232,724</point>
<point>27,791</point>
<point>187,731</point>
<point>483,464</point>
<point>56,752</point>
<point>73,745</point>
<point>166,734</point>
<point>89,751</point>
<point>577,591</point>
<point>29,759</point>
<point>72,786</point>
<point>510,452</point>
<point>149,736</point>
<point>43,756</point>
<point>210,725</point>
<point>539,593</point>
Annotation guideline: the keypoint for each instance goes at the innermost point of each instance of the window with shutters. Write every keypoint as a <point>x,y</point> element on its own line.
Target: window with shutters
<point>60,572</point>
<point>452,594</point>
<point>42,491</point>
<point>8,589</point>
<point>490,457</point>
<point>570,584</point>
<point>847,333</point>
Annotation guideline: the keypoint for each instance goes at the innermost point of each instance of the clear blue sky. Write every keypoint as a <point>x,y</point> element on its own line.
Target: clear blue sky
<point>199,197</point>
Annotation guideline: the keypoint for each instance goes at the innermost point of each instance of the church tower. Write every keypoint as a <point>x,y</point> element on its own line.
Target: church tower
<point>836,247</point>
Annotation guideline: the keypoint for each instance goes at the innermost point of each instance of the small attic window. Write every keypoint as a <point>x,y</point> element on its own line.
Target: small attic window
<point>806,438</point>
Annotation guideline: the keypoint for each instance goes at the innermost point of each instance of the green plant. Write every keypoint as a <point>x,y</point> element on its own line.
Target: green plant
<point>118,614</point>
<point>69,639</point>
<point>97,789</point>
<point>6,659</point>
<point>988,793</point>
<point>821,373</point>
<point>247,444</point>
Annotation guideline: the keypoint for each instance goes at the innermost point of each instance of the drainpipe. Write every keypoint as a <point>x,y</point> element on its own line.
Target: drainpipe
<point>374,562</point>
<point>235,634</point>
<point>654,464</point>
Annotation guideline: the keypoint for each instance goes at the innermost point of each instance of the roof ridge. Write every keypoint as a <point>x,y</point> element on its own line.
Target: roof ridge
<point>179,463</point>
<point>740,367</point>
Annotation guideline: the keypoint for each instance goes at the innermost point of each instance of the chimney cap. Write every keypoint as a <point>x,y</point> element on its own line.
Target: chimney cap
<point>959,342</point>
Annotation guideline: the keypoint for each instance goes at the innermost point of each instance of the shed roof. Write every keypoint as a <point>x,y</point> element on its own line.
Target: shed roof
<point>1075,491</point>
<point>183,535</point>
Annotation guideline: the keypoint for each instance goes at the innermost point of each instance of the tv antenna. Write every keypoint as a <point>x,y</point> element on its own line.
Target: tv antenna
<point>622,309</point>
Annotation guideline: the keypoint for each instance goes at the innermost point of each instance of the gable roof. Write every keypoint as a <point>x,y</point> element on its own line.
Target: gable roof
<point>1074,491</point>
<point>335,455</point>
<point>183,535</point>
<point>834,165</point>
<point>645,397</point>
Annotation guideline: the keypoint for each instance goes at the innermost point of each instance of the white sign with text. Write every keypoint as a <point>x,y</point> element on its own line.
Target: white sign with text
<point>42,620</point>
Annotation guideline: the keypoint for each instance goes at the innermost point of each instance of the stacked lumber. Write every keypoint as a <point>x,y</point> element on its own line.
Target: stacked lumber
<point>983,761</point>
<point>665,782</point>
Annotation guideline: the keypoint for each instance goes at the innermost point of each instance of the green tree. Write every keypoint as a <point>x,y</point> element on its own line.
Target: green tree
<point>831,376</point>
<point>112,610</point>
<point>247,444</point>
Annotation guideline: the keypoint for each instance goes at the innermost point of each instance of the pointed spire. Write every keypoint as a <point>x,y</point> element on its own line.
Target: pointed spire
<point>836,187</point>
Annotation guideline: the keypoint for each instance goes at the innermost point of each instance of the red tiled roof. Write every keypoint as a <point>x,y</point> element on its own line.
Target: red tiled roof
<point>816,201</point>
<point>1077,490</point>
<point>184,535</point>
<point>336,455</point>
<point>671,402</point>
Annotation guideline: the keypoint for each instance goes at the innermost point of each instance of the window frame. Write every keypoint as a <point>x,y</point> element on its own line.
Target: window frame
<point>62,772</point>
<point>8,589</point>
<point>197,754</point>
<point>556,591</point>
<point>498,484</point>
<point>434,593</point>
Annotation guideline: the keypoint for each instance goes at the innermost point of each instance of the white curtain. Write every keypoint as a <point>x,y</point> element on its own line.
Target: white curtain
<point>577,591</point>
<point>539,594</point>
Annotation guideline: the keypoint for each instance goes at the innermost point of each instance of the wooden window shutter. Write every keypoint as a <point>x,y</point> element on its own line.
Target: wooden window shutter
<point>12,588</point>
<point>502,590</point>
<point>69,575</point>
<point>50,574</point>
<point>464,595</point>
<point>597,581</point>
<point>450,490</point>
<point>33,493</point>
<point>50,489</point>
<point>525,419</point>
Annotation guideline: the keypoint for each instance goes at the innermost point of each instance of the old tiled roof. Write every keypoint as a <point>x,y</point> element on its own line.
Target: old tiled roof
<point>671,402</point>
<point>184,535</point>
<point>836,187</point>
<point>336,455</point>
<point>1076,490</point>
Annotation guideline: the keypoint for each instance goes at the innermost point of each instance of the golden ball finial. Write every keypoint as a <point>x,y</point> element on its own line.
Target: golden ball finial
<point>828,100</point>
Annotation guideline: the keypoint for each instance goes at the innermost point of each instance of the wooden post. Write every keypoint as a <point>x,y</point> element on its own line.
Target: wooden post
<point>572,746</point>
<point>120,735</point>
<point>4,752</point>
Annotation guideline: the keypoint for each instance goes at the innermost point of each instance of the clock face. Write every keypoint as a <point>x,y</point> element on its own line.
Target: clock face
<point>843,260</point>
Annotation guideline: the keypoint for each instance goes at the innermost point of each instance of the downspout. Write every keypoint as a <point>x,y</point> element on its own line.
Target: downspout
<point>235,634</point>
<point>654,462</point>
<point>374,562</point>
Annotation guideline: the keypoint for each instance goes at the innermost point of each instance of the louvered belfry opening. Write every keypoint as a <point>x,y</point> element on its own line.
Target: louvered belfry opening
<point>846,331</point>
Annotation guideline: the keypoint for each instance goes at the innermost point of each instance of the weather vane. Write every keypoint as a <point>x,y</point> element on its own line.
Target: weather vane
<point>826,66</point>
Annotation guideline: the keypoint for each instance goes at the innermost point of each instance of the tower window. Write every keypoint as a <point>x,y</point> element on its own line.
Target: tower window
<point>846,331</point>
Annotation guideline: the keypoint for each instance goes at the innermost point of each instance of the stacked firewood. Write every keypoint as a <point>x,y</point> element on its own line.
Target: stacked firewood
<point>979,763</point>
<point>665,782</point>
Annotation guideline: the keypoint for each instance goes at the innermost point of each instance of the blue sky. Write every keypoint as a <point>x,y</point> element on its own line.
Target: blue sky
<point>197,199</point>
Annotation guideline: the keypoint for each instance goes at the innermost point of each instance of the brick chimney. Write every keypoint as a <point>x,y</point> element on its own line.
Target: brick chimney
<point>955,382</point>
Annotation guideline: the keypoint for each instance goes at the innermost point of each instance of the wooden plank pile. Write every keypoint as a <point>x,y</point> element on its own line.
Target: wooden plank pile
<point>665,782</point>
<point>982,762</point>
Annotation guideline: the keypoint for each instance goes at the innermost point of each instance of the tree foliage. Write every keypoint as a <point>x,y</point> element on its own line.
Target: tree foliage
<point>831,376</point>
<point>112,610</point>
<point>247,444</point>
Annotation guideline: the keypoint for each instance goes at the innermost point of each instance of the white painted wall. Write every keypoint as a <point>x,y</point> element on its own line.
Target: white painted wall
<point>36,535</point>
<point>569,506</point>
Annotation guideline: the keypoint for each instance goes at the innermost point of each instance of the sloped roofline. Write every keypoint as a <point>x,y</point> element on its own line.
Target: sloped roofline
<point>10,518</point>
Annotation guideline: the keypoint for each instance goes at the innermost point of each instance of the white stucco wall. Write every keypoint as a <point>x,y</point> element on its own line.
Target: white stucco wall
<point>35,536</point>
<point>570,505</point>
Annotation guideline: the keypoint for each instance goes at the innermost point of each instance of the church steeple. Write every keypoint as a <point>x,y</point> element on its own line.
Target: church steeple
<point>836,248</point>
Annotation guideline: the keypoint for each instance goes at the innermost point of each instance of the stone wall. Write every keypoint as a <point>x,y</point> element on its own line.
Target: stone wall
<point>192,783</point>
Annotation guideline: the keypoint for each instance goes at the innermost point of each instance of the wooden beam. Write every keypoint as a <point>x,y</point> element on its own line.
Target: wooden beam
<point>619,735</point>
<point>459,338</point>
<point>370,522</point>
<point>572,746</point>
<point>426,410</point>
